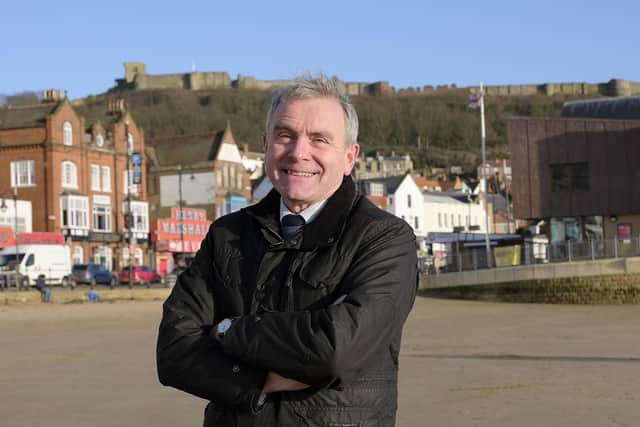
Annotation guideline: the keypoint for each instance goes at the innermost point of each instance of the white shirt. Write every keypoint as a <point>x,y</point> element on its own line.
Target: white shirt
<point>309,214</point>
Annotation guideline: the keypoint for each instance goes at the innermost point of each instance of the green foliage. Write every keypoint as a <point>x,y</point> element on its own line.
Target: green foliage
<point>436,130</point>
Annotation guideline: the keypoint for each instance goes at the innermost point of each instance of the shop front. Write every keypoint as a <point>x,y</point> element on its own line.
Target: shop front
<point>177,239</point>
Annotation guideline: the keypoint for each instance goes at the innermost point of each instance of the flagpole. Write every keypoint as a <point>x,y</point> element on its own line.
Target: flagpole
<point>484,178</point>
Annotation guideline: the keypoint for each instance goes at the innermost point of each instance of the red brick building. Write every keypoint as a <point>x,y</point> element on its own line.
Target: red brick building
<point>74,170</point>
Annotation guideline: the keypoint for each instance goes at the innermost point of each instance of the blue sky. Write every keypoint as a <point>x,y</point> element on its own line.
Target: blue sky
<point>79,46</point>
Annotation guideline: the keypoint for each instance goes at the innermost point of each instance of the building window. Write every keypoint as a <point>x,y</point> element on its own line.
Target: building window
<point>570,177</point>
<point>67,131</point>
<point>232,179</point>
<point>415,222</point>
<point>376,189</point>
<point>69,175</point>
<point>452,223</point>
<point>106,179</point>
<point>23,173</point>
<point>129,143</point>
<point>408,200</point>
<point>225,171</point>
<point>140,211</point>
<point>78,255</point>
<point>439,219</point>
<point>239,180</point>
<point>99,140</point>
<point>138,255</point>
<point>129,188</point>
<point>95,178</point>
<point>75,211</point>
<point>103,256</point>
<point>446,222</point>
<point>125,256</point>
<point>234,203</point>
<point>102,218</point>
<point>219,178</point>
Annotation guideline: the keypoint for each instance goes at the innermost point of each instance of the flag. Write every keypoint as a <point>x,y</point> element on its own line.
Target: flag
<point>474,100</point>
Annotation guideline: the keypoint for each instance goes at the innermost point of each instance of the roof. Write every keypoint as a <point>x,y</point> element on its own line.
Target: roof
<point>445,197</point>
<point>30,116</point>
<point>426,184</point>
<point>184,149</point>
<point>391,183</point>
<point>469,238</point>
<point>379,201</point>
<point>98,113</point>
<point>627,107</point>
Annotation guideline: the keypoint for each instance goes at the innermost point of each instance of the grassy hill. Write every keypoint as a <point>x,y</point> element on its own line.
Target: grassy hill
<point>438,130</point>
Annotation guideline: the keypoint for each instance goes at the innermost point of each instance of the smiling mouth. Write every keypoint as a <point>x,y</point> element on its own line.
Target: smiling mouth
<point>299,173</point>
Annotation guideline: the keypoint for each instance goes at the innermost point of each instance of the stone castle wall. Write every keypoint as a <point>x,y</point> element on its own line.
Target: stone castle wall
<point>136,77</point>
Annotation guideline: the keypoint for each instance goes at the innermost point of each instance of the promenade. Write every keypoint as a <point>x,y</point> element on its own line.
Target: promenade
<point>463,363</point>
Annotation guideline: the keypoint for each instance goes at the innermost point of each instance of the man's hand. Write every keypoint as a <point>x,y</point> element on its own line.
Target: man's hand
<point>276,382</point>
<point>339,300</point>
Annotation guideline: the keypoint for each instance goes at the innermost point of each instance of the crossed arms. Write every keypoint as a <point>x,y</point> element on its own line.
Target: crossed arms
<point>278,351</point>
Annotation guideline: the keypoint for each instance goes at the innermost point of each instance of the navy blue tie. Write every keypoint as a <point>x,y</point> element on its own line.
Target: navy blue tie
<point>291,224</point>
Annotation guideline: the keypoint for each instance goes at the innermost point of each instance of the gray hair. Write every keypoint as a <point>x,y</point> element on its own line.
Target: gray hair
<point>308,87</point>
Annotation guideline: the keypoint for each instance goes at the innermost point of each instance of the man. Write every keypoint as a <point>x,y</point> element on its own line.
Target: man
<point>285,321</point>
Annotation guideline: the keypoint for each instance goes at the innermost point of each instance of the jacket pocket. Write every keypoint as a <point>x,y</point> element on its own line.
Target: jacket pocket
<point>337,417</point>
<point>310,292</point>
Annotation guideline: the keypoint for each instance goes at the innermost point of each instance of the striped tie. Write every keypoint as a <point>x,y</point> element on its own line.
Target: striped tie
<point>291,224</point>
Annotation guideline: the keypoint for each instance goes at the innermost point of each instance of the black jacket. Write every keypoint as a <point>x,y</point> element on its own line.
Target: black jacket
<point>281,292</point>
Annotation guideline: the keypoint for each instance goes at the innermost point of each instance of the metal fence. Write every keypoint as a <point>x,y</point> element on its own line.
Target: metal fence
<point>458,258</point>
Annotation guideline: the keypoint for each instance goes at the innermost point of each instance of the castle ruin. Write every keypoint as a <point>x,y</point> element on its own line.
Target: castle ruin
<point>136,78</point>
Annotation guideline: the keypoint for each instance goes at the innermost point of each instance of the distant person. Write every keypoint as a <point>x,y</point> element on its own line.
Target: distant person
<point>41,285</point>
<point>292,310</point>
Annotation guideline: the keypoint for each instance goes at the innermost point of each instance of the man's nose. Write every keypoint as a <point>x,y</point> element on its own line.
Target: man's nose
<point>300,148</point>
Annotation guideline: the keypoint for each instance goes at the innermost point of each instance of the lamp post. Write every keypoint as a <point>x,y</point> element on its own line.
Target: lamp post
<point>129,217</point>
<point>3,208</point>
<point>181,224</point>
<point>484,178</point>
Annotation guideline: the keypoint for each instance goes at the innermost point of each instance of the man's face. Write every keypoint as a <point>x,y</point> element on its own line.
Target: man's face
<point>306,155</point>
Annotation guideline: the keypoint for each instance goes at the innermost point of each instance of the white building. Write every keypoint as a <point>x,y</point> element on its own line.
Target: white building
<point>446,211</point>
<point>406,202</point>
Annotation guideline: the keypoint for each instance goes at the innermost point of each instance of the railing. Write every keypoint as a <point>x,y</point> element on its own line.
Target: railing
<point>9,278</point>
<point>458,258</point>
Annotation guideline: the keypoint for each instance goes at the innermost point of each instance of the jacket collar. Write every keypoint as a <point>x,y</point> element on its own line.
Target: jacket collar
<point>325,229</point>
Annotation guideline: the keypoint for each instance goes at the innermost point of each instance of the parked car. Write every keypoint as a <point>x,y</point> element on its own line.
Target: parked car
<point>92,274</point>
<point>142,275</point>
<point>171,278</point>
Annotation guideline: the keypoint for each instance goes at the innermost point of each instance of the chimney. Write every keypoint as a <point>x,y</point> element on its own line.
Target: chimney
<point>115,106</point>
<point>52,95</point>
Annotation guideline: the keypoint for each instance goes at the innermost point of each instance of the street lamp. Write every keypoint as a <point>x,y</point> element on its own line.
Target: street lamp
<point>3,209</point>
<point>128,220</point>
<point>181,224</point>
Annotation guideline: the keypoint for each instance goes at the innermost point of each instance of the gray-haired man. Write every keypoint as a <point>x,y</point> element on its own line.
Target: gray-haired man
<point>292,311</point>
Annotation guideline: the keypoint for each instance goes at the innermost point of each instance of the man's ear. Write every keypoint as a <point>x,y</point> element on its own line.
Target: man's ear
<point>352,156</point>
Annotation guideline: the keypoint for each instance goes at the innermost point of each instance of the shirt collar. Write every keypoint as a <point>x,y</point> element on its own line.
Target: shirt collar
<point>309,214</point>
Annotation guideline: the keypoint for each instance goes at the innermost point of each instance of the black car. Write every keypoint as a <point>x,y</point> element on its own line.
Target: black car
<point>92,274</point>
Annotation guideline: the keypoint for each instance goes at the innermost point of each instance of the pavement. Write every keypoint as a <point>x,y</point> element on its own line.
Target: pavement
<point>463,363</point>
<point>81,294</point>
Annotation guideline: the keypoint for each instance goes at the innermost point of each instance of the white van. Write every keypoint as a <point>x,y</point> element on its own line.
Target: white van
<point>53,261</point>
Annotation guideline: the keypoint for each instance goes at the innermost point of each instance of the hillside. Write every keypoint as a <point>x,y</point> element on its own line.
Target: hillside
<point>436,130</point>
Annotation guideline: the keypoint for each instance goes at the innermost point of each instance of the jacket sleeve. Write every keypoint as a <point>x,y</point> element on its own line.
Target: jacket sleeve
<point>320,346</point>
<point>187,358</point>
